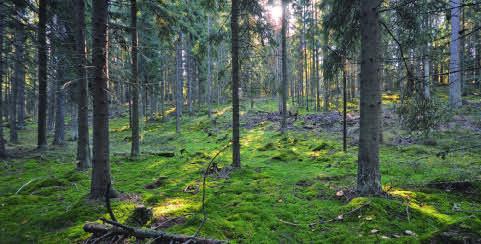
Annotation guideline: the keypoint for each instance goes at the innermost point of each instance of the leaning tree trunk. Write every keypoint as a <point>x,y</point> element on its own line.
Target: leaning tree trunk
<point>235,83</point>
<point>135,149</point>
<point>368,174</point>
<point>42,76</point>
<point>101,178</point>
<point>454,63</point>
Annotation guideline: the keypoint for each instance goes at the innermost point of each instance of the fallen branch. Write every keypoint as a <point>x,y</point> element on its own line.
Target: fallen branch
<point>24,185</point>
<point>142,233</point>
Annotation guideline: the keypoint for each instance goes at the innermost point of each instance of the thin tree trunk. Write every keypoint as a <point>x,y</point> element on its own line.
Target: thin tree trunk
<point>73,121</point>
<point>209,74</point>
<point>83,146</point>
<point>135,149</point>
<point>59,135</point>
<point>3,16</point>
<point>368,173</point>
<point>20,70</point>
<point>344,106</point>
<point>178,84</point>
<point>188,66</point>
<point>42,76</point>
<point>284,67</point>
<point>454,63</point>
<point>101,178</point>
<point>235,11</point>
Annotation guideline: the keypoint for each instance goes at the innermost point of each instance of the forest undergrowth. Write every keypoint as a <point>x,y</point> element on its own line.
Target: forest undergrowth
<point>296,188</point>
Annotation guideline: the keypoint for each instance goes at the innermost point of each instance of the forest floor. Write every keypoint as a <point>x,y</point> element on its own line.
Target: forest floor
<point>290,189</point>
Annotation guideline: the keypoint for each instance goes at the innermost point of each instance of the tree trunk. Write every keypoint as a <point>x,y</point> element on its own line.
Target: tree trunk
<point>20,70</point>
<point>235,11</point>
<point>188,66</point>
<point>73,122</point>
<point>284,67</point>
<point>135,149</point>
<point>83,147</point>
<point>454,63</point>
<point>3,16</point>
<point>178,84</point>
<point>209,74</point>
<point>59,135</point>
<point>344,106</point>
<point>101,178</point>
<point>42,76</point>
<point>368,174</point>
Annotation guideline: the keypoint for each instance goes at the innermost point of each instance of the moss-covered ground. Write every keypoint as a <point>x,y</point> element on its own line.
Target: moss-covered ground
<point>290,189</point>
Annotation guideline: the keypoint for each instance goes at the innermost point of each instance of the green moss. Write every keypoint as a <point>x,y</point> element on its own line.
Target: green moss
<point>283,179</point>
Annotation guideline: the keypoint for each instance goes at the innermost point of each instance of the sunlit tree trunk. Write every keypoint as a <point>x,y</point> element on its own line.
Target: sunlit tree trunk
<point>454,63</point>
<point>368,174</point>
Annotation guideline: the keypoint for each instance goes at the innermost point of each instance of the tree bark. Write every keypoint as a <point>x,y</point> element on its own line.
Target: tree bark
<point>59,135</point>
<point>209,73</point>
<point>284,67</point>
<point>83,147</point>
<point>454,63</point>
<point>101,165</point>
<point>235,11</point>
<point>42,76</point>
<point>368,174</point>
<point>178,84</point>
<point>20,69</point>
<point>3,16</point>
<point>135,149</point>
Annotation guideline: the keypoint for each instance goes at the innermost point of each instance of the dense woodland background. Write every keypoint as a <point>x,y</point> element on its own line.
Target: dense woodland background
<point>271,121</point>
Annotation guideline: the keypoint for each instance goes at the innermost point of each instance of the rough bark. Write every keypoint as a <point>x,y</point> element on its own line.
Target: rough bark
<point>454,62</point>
<point>368,174</point>
<point>235,11</point>
<point>42,77</point>
<point>101,178</point>
<point>135,149</point>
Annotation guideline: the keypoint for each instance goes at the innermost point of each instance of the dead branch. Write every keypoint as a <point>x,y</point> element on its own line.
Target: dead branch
<point>118,229</point>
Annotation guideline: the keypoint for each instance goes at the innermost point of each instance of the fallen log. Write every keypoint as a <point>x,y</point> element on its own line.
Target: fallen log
<point>117,229</point>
